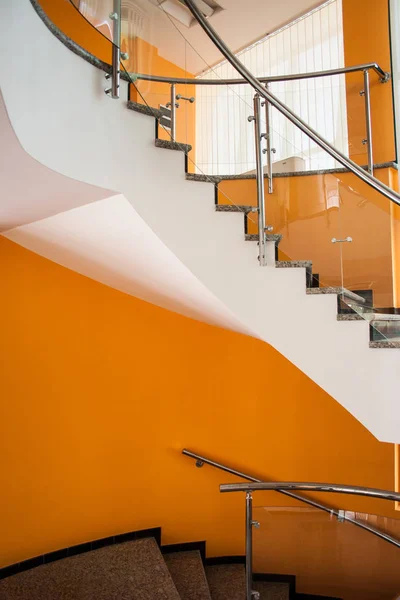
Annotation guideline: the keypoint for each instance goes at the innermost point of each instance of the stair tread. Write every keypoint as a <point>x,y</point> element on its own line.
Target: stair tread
<point>292,264</point>
<point>233,208</point>
<point>384,344</point>
<point>272,590</point>
<point>370,317</point>
<point>127,571</point>
<point>270,237</point>
<point>226,581</point>
<point>336,290</point>
<point>203,177</point>
<point>144,109</point>
<point>169,145</point>
<point>187,571</point>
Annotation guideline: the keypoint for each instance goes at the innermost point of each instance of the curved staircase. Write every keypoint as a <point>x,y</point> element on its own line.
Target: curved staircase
<point>159,236</point>
<point>135,566</point>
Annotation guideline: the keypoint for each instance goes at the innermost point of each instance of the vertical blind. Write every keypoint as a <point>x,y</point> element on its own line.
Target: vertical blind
<point>225,138</point>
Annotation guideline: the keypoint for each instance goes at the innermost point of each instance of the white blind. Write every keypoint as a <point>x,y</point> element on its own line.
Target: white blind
<point>225,139</point>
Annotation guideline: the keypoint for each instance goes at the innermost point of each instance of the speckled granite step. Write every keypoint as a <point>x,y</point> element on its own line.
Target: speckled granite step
<point>384,344</point>
<point>338,291</point>
<point>144,109</point>
<point>270,237</point>
<point>187,571</point>
<point>233,208</point>
<point>271,590</point>
<point>202,177</point>
<point>350,317</point>
<point>128,571</point>
<point>168,145</point>
<point>226,582</point>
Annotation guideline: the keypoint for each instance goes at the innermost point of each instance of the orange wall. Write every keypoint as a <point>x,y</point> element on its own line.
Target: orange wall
<point>66,17</point>
<point>366,39</point>
<point>300,209</point>
<point>100,391</point>
<point>145,59</point>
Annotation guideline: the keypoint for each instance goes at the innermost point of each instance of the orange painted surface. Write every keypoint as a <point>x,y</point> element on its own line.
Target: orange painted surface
<point>101,391</point>
<point>145,59</point>
<point>311,210</point>
<point>67,18</point>
<point>366,39</point>
<point>343,563</point>
<point>397,471</point>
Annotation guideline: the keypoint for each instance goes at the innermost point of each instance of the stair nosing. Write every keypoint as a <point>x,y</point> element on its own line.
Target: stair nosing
<point>170,145</point>
<point>336,290</point>
<point>144,109</point>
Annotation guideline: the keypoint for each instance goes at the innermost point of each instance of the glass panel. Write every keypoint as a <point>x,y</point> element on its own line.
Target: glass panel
<point>327,557</point>
<point>98,13</point>
<point>369,260</point>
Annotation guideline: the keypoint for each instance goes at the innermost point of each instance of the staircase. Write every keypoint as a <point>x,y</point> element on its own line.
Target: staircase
<point>157,207</point>
<point>135,567</point>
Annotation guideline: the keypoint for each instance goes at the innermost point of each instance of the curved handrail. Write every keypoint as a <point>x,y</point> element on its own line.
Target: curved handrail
<point>200,460</point>
<point>311,487</point>
<point>287,112</point>
<point>383,76</point>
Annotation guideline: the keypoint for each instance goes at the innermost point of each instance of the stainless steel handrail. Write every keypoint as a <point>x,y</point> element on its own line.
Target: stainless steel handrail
<point>287,112</point>
<point>354,490</point>
<point>383,76</point>
<point>200,460</point>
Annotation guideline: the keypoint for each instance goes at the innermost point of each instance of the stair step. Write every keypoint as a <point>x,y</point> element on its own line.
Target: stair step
<point>130,570</point>
<point>187,571</point>
<point>144,109</point>
<point>226,581</point>
<point>384,344</point>
<point>371,317</point>
<point>350,317</point>
<point>293,264</point>
<point>272,590</point>
<point>173,145</point>
<point>270,237</point>
<point>338,291</point>
<point>202,177</point>
<point>233,208</point>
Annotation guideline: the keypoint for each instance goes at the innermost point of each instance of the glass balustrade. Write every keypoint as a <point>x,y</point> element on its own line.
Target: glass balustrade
<point>327,555</point>
<point>342,231</point>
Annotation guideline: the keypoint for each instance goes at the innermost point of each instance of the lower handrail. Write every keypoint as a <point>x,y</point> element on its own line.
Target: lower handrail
<point>202,460</point>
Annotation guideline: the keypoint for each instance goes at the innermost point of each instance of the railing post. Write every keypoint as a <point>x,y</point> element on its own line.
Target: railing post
<point>115,16</point>
<point>368,140</point>
<point>268,149</point>
<point>260,180</point>
<point>249,545</point>
<point>173,111</point>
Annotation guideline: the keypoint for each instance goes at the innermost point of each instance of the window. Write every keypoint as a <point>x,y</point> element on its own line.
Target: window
<point>224,137</point>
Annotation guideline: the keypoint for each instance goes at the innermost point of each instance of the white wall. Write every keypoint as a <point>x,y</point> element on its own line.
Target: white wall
<point>72,127</point>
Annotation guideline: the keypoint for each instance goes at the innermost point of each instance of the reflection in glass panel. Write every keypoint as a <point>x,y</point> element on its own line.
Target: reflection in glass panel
<point>327,556</point>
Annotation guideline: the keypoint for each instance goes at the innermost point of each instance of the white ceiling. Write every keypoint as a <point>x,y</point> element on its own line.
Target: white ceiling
<point>239,24</point>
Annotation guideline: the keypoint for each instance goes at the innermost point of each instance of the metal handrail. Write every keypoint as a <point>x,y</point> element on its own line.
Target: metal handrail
<point>287,112</point>
<point>201,460</point>
<point>383,76</point>
<point>311,487</point>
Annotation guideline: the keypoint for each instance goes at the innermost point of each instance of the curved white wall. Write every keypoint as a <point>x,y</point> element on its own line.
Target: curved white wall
<point>72,127</point>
